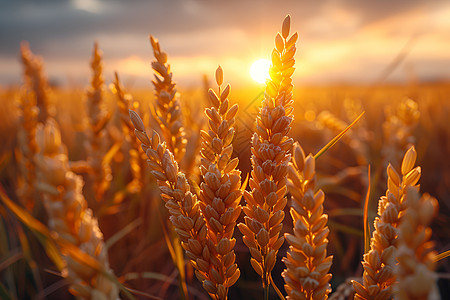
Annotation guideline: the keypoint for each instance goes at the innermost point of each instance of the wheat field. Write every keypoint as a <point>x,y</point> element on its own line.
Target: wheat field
<point>211,192</point>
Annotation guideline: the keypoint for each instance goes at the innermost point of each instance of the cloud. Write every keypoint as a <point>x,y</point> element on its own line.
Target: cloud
<point>349,32</point>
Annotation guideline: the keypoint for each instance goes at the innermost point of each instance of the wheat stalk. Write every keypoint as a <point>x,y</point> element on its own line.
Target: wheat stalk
<point>307,263</point>
<point>416,258</point>
<point>270,157</point>
<point>35,80</point>
<point>184,209</point>
<point>379,262</point>
<point>70,218</point>
<point>220,192</point>
<point>167,108</point>
<point>97,117</point>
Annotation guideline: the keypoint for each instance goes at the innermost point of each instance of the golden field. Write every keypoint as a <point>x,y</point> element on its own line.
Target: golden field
<point>84,215</point>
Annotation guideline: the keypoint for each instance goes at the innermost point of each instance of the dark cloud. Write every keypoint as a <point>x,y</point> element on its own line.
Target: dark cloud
<point>41,22</point>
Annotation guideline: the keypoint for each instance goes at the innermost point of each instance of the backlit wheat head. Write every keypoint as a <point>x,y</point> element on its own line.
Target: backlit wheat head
<point>398,130</point>
<point>270,157</point>
<point>220,192</point>
<point>70,218</point>
<point>184,209</point>
<point>415,274</point>
<point>35,79</point>
<point>307,262</point>
<point>97,117</point>
<point>136,158</point>
<point>167,108</point>
<point>27,148</point>
<point>379,262</point>
<point>33,108</point>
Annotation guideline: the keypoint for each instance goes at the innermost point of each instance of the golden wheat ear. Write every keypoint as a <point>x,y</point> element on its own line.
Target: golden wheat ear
<point>186,216</point>
<point>96,145</point>
<point>379,263</point>
<point>416,258</point>
<point>35,80</point>
<point>71,219</point>
<point>33,108</point>
<point>271,149</point>
<point>220,192</point>
<point>27,149</point>
<point>307,262</point>
<point>136,159</point>
<point>398,129</point>
<point>167,107</point>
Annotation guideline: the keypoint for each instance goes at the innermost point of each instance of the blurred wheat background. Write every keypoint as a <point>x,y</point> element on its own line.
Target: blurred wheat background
<point>102,203</point>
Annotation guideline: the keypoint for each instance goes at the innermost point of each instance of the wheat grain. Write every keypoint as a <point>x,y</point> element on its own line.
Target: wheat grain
<point>70,218</point>
<point>345,290</point>
<point>398,130</point>
<point>35,80</point>
<point>33,107</point>
<point>184,209</point>
<point>307,263</point>
<point>415,276</point>
<point>167,108</point>
<point>27,149</point>
<point>379,262</point>
<point>97,117</point>
<point>220,192</point>
<point>124,102</point>
<point>270,157</point>
<point>136,161</point>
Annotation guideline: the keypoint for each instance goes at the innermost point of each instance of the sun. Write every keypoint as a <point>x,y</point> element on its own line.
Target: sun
<point>260,70</point>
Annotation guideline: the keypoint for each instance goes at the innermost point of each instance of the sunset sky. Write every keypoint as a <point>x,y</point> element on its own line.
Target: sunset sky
<point>341,41</point>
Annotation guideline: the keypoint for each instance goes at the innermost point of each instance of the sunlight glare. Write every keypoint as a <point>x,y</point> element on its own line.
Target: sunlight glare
<point>260,70</point>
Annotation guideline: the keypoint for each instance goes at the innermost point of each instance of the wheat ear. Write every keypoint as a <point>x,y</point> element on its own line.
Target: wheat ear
<point>379,262</point>
<point>416,278</point>
<point>95,147</point>
<point>27,148</point>
<point>307,263</point>
<point>33,108</point>
<point>270,157</point>
<point>220,192</point>
<point>345,291</point>
<point>184,209</point>
<point>124,102</point>
<point>35,80</point>
<point>70,218</point>
<point>398,129</point>
<point>167,108</point>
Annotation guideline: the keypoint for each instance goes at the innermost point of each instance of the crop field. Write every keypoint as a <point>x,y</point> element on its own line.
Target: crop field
<point>275,191</point>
